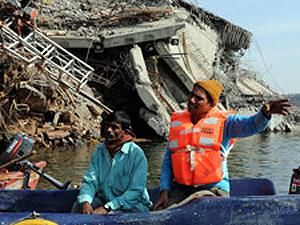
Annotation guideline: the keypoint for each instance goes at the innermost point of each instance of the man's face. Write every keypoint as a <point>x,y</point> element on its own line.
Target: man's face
<point>113,131</point>
<point>198,103</point>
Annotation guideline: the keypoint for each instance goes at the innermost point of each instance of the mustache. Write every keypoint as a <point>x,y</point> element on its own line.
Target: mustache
<point>109,135</point>
<point>192,106</point>
<point>112,136</point>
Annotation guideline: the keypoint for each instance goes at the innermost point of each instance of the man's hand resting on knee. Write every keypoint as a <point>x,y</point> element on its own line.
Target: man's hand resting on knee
<point>161,201</point>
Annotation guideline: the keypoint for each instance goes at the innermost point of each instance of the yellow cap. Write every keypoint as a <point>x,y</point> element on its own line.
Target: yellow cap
<point>213,87</point>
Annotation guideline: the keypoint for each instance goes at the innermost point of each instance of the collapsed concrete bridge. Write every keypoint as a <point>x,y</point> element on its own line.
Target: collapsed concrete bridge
<point>147,55</point>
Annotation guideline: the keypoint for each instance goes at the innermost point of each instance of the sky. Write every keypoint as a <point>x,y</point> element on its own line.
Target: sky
<point>275,47</point>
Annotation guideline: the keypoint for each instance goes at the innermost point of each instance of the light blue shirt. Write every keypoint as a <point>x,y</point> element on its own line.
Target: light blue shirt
<point>119,181</point>
<point>236,126</point>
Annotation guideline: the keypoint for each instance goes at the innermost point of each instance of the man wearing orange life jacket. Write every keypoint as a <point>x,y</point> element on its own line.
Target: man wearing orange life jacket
<point>199,141</point>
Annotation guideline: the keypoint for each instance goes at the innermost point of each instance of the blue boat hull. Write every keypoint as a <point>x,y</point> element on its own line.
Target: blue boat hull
<point>253,201</point>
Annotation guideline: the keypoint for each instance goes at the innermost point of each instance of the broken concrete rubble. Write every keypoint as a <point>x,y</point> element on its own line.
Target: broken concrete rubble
<point>155,115</point>
<point>147,55</point>
<point>35,104</point>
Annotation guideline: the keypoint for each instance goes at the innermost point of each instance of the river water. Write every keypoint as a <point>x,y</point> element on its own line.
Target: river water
<point>272,156</point>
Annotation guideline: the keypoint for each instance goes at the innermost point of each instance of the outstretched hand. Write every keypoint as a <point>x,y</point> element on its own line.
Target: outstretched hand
<point>281,106</point>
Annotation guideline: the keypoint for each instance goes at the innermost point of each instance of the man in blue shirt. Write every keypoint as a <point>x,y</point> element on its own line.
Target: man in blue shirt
<point>117,175</point>
<point>202,101</point>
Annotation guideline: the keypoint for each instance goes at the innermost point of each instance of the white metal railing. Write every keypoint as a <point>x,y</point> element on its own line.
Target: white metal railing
<point>61,65</point>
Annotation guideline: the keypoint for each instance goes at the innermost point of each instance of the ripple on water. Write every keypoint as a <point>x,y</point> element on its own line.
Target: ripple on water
<point>271,156</point>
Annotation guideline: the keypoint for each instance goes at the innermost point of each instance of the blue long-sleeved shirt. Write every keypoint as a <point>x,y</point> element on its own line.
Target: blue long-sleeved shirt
<point>119,181</point>
<point>236,126</point>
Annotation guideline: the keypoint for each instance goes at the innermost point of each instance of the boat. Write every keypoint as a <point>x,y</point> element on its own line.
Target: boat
<point>15,179</point>
<point>253,201</point>
<point>16,172</point>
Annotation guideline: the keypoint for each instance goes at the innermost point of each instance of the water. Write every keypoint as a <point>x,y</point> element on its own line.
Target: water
<point>270,156</point>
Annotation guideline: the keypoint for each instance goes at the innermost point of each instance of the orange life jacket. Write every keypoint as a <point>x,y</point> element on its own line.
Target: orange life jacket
<point>195,149</point>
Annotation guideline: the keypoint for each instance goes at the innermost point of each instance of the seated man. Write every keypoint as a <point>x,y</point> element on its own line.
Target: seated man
<point>117,175</point>
<point>200,139</point>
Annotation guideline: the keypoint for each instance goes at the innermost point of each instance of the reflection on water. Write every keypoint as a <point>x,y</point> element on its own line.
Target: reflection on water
<point>271,156</point>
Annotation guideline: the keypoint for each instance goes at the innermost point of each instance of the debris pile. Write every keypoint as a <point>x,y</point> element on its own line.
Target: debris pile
<point>33,103</point>
<point>88,17</point>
